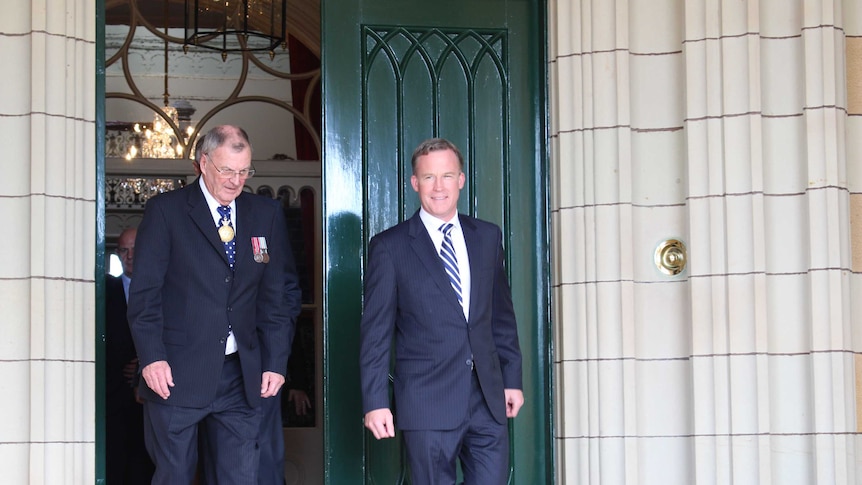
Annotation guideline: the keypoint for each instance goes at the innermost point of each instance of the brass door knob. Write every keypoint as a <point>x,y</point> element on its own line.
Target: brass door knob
<point>670,257</point>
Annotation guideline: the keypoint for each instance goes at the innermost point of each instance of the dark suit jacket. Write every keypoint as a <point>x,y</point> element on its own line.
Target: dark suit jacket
<point>119,348</point>
<point>184,295</point>
<point>126,457</point>
<point>408,295</point>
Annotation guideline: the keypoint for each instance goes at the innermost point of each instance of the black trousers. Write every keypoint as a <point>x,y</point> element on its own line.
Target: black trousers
<point>126,459</point>
<point>480,443</point>
<point>231,433</point>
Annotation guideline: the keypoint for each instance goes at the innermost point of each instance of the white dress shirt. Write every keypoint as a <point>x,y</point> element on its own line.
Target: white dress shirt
<point>432,225</point>
<point>214,205</point>
<point>126,282</point>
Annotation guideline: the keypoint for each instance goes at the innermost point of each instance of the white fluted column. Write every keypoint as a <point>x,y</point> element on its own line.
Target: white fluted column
<point>852,21</point>
<point>723,124</point>
<point>47,202</point>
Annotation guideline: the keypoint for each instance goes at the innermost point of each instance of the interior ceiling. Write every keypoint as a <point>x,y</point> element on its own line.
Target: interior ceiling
<point>303,16</point>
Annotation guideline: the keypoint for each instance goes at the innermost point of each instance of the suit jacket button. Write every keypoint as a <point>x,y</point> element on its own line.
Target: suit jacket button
<point>221,340</point>
<point>469,363</point>
<point>227,279</point>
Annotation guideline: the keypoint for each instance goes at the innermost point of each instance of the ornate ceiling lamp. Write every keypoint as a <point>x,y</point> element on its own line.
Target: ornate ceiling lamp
<point>236,25</point>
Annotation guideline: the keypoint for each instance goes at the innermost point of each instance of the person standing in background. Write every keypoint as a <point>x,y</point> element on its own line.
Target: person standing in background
<point>126,459</point>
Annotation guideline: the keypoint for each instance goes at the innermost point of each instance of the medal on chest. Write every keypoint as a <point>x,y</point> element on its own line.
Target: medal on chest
<point>258,247</point>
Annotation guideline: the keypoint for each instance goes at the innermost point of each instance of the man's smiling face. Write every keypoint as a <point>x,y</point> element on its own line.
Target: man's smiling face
<point>438,180</point>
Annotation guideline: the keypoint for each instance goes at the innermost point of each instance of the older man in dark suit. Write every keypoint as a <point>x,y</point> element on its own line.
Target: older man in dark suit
<point>436,284</point>
<point>212,309</point>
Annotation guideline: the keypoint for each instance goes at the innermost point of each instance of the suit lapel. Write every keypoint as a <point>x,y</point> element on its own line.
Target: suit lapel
<point>424,249</point>
<point>245,221</point>
<point>117,293</point>
<point>200,213</point>
<point>471,240</point>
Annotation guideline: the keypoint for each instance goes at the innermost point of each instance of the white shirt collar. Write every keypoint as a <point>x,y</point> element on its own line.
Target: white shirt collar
<point>432,224</point>
<point>214,204</point>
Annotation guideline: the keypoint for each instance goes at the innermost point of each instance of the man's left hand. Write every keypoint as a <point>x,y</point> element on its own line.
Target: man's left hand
<point>514,401</point>
<point>270,383</point>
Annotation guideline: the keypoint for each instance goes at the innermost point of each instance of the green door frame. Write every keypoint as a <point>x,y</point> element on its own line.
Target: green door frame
<point>100,243</point>
<point>346,230</point>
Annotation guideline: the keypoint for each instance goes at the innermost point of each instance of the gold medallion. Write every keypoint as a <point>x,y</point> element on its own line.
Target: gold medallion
<point>225,233</point>
<point>265,257</point>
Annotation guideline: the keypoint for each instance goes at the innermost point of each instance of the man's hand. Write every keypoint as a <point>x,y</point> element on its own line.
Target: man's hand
<point>159,378</point>
<point>270,383</point>
<point>301,402</point>
<point>514,401</point>
<point>379,421</point>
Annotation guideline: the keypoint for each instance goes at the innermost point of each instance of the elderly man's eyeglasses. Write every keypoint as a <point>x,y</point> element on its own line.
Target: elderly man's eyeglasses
<point>229,173</point>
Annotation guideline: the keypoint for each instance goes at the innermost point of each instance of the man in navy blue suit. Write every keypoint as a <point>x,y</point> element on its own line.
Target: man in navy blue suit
<point>212,309</point>
<point>436,284</point>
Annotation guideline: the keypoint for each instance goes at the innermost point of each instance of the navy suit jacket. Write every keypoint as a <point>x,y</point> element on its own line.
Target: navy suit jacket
<point>184,295</point>
<point>119,348</point>
<point>408,296</point>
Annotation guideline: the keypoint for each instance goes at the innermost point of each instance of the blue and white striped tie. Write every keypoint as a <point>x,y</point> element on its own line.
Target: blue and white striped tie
<point>450,261</point>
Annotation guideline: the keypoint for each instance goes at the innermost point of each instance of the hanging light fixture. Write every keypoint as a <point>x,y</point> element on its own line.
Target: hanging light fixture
<point>159,140</point>
<point>236,25</point>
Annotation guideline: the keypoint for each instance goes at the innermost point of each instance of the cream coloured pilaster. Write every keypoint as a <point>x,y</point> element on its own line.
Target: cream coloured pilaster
<point>853,31</point>
<point>726,125</point>
<point>48,213</point>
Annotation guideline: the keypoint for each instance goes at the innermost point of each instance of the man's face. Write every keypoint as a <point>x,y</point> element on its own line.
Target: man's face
<point>225,188</point>
<point>126,250</point>
<point>438,179</point>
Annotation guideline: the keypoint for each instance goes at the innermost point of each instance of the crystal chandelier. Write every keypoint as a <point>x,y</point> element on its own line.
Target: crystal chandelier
<point>159,139</point>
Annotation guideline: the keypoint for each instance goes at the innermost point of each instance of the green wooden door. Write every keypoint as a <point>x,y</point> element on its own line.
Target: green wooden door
<point>394,73</point>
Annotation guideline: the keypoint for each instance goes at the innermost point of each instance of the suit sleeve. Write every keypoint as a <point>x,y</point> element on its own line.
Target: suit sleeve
<point>504,323</point>
<point>377,327</point>
<point>278,301</point>
<point>152,256</point>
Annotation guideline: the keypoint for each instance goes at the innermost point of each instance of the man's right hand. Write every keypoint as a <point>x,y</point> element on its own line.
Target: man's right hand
<point>379,421</point>
<point>159,378</point>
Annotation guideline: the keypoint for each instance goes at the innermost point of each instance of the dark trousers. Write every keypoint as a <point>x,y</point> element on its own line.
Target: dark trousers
<point>271,442</point>
<point>126,459</point>
<point>231,431</point>
<point>480,442</point>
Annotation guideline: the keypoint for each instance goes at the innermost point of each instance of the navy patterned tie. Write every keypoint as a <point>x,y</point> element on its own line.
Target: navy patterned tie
<point>450,261</point>
<point>229,247</point>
